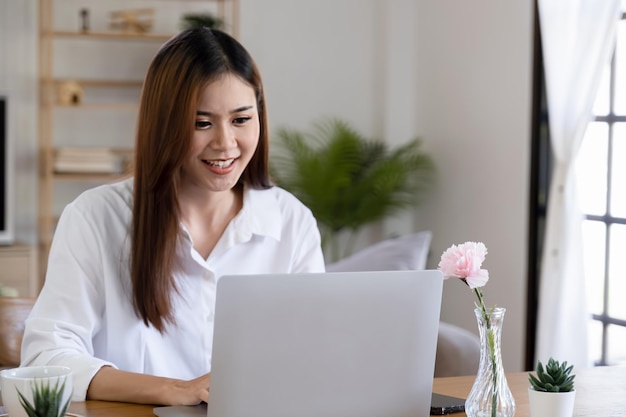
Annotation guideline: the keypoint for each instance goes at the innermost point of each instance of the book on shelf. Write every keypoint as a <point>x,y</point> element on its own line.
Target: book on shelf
<point>88,160</point>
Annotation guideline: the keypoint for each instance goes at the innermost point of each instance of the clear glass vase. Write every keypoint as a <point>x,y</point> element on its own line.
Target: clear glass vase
<point>490,395</point>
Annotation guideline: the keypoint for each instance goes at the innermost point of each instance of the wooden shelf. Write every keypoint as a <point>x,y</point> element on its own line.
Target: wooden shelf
<point>90,177</point>
<point>95,83</point>
<point>95,92</point>
<point>98,106</point>
<point>111,35</point>
<point>126,152</point>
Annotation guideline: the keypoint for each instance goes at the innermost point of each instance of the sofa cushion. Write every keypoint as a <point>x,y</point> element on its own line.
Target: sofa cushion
<point>400,253</point>
<point>458,351</point>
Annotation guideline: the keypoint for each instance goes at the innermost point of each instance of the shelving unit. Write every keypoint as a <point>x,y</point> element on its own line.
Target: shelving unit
<point>100,94</point>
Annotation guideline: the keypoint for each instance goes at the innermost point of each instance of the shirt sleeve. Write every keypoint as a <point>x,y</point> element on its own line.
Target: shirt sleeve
<point>69,309</point>
<point>308,254</point>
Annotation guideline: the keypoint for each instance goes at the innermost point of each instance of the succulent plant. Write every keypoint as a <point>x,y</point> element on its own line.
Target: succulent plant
<point>554,377</point>
<point>47,400</point>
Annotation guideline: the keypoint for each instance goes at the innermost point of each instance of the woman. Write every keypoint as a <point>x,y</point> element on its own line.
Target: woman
<point>130,285</point>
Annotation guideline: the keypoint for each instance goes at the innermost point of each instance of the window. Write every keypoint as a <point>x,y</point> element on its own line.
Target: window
<point>601,170</point>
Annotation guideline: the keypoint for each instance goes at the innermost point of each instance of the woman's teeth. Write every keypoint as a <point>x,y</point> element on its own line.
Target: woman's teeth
<point>220,164</point>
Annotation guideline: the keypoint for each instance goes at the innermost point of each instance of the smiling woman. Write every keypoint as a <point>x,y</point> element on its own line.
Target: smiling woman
<point>133,268</point>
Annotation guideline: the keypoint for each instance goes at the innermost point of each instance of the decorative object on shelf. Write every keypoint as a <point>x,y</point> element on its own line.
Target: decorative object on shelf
<point>551,392</point>
<point>197,20</point>
<point>347,180</point>
<point>84,20</point>
<point>7,291</point>
<point>490,395</point>
<point>132,20</point>
<point>88,160</point>
<point>70,93</point>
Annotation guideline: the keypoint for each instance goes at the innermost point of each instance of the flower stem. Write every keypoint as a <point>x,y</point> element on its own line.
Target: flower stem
<point>491,345</point>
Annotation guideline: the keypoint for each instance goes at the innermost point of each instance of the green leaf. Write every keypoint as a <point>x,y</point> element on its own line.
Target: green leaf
<point>346,179</point>
<point>46,400</point>
<point>554,377</point>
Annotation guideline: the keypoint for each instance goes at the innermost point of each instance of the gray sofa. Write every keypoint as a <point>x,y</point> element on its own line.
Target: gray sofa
<point>458,350</point>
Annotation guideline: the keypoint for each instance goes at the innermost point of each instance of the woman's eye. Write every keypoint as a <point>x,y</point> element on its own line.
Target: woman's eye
<point>241,120</point>
<point>202,124</point>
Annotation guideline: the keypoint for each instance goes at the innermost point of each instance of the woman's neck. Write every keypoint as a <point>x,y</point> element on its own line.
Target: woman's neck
<point>206,216</point>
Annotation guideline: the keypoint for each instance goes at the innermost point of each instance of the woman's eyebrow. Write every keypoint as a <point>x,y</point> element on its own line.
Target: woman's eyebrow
<point>237,110</point>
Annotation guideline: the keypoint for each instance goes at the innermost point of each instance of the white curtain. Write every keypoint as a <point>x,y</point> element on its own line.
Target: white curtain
<point>577,39</point>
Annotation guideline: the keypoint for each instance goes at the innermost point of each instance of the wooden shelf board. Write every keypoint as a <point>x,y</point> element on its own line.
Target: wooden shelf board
<point>111,35</point>
<point>127,152</point>
<point>90,177</point>
<point>94,82</point>
<point>98,106</point>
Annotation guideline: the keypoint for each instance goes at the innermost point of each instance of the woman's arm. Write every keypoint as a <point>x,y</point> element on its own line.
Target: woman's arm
<point>111,384</point>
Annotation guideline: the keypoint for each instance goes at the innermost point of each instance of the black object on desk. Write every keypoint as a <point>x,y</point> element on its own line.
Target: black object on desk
<point>445,404</point>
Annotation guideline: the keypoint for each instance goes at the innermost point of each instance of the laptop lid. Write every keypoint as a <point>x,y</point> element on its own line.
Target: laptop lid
<point>341,344</point>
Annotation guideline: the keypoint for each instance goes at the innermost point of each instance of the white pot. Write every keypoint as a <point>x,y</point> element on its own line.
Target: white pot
<point>551,404</point>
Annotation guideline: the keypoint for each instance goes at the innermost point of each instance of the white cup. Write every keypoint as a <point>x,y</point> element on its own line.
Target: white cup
<point>24,380</point>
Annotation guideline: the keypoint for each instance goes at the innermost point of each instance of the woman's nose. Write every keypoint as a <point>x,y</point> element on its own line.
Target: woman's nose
<point>223,137</point>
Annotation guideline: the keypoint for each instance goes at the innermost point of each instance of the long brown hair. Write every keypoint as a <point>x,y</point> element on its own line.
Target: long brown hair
<point>169,99</point>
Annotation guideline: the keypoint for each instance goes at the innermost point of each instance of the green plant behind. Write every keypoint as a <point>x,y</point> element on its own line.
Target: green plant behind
<point>554,377</point>
<point>47,400</point>
<point>198,20</point>
<point>347,180</point>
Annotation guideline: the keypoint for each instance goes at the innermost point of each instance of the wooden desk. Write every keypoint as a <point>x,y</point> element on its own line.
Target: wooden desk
<point>601,392</point>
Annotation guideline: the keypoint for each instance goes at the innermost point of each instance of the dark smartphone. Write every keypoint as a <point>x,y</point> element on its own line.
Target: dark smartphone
<point>444,404</point>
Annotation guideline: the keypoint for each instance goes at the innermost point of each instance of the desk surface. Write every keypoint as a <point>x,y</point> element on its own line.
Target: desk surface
<point>600,392</point>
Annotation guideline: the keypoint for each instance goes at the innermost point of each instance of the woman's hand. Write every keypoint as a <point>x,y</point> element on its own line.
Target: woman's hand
<point>111,384</point>
<point>189,392</point>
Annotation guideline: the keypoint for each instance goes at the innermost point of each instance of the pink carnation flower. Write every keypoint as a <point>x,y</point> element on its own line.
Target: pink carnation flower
<point>464,261</point>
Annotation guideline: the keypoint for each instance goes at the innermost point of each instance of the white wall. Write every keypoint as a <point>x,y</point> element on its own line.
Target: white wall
<point>454,72</point>
<point>475,95</point>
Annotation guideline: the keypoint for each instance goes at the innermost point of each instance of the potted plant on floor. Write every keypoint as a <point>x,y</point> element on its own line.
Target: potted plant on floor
<point>348,180</point>
<point>551,392</point>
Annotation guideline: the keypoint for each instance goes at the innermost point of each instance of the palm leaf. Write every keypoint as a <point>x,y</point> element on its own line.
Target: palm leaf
<point>347,180</point>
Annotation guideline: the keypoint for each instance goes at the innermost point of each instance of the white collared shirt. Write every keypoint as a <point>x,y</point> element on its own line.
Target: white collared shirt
<point>84,315</point>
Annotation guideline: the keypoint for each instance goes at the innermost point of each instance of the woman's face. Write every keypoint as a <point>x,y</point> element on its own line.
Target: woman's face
<point>226,134</point>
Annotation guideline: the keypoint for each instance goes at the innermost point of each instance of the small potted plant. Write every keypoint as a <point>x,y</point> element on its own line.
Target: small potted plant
<point>551,392</point>
<point>47,400</point>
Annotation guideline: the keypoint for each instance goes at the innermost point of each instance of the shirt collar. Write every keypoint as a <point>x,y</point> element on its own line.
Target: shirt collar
<point>259,215</point>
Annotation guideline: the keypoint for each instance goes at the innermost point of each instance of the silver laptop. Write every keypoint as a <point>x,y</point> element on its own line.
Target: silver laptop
<point>342,344</point>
